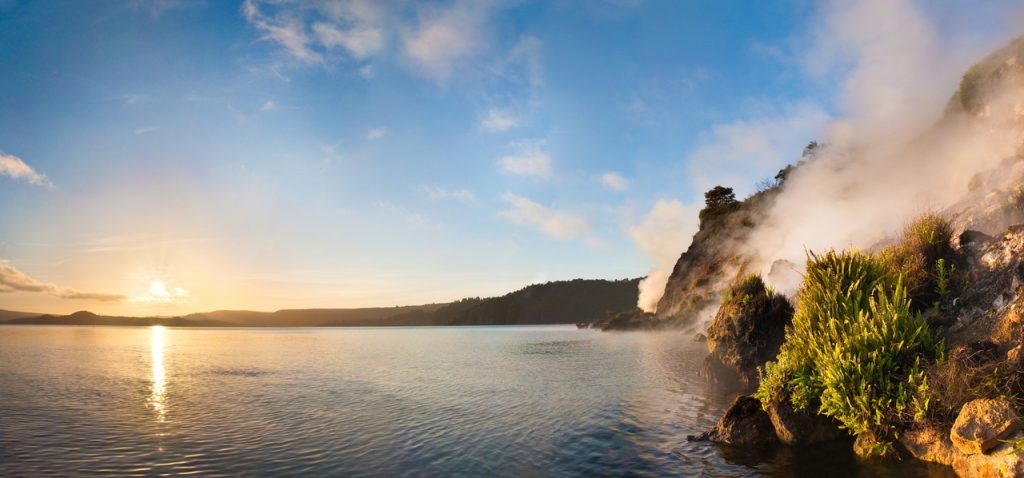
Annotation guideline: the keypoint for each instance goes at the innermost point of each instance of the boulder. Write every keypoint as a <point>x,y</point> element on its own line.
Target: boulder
<point>982,423</point>
<point>745,423</point>
<point>929,443</point>
<point>800,428</point>
<point>1001,462</point>
<point>748,329</point>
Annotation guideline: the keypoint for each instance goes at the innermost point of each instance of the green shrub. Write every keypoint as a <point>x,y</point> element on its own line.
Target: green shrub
<point>925,258</point>
<point>854,347</point>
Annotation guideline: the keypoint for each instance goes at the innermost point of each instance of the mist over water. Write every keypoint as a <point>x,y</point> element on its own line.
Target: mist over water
<point>459,401</point>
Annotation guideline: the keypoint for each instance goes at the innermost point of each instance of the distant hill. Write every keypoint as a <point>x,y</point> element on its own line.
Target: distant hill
<point>561,302</point>
<point>6,315</point>
<point>370,316</point>
<point>89,318</point>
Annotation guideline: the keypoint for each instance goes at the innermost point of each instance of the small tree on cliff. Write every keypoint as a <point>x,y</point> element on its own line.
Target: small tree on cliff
<point>717,201</point>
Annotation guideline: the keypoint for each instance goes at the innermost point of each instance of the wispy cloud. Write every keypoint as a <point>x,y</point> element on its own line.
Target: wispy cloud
<point>530,159</point>
<point>442,40</point>
<point>14,168</point>
<point>498,120</point>
<point>461,195</point>
<point>376,133</point>
<point>269,105</point>
<point>158,293</point>
<point>156,8</point>
<point>143,130</point>
<point>550,221</point>
<point>614,181</point>
<point>313,33</point>
<point>13,280</point>
<point>286,30</point>
<point>360,42</point>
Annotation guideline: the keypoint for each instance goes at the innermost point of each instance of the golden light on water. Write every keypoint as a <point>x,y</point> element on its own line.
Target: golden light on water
<point>158,393</point>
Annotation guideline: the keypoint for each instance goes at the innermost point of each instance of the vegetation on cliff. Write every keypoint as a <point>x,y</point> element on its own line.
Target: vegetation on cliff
<point>852,352</point>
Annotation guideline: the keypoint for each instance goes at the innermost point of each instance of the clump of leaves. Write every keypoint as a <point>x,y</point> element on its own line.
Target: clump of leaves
<point>925,258</point>
<point>854,349</point>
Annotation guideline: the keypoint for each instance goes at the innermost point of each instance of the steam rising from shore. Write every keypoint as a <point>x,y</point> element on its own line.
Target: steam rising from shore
<point>889,154</point>
<point>667,227</point>
<point>893,155</point>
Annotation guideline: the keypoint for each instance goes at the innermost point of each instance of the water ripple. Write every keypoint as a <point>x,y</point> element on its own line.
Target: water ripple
<point>475,401</point>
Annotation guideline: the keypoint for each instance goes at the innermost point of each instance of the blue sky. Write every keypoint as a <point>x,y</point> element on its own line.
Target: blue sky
<point>267,154</point>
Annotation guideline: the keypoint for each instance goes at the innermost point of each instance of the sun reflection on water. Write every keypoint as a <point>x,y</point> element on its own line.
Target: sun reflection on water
<point>159,389</point>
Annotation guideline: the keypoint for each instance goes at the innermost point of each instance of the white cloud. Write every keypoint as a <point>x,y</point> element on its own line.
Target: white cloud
<point>529,160</point>
<point>360,42</point>
<point>461,195</point>
<point>614,181</point>
<point>269,105</point>
<point>663,234</point>
<point>376,133</point>
<point>14,168</point>
<point>499,120</point>
<point>441,41</point>
<point>13,280</point>
<point>552,222</point>
<point>286,30</point>
<point>143,130</point>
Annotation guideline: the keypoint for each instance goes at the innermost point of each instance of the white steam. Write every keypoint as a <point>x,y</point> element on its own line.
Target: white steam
<point>664,233</point>
<point>888,155</point>
<point>889,158</point>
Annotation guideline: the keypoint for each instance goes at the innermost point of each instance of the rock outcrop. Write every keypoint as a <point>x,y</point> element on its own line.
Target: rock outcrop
<point>800,428</point>
<point>748,330</point>
<point>932,443</point>
<point>710,263</point>
<point>745,423</point>
<point>982,423</point>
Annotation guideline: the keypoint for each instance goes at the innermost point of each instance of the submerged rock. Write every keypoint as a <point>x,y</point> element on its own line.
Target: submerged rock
<point>745,423</point>
<point>868,445</point>
<point>800,428</point>
<point>982,423</point>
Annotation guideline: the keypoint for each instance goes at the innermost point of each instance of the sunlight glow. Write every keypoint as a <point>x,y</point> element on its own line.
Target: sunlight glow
<point>157,289</point>
<point>159,389</point>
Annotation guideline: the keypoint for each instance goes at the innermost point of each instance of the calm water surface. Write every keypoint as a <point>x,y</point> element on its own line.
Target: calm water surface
<point>460,401</point>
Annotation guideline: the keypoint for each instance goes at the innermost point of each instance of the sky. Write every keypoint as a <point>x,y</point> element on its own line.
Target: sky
<point>171,156</point>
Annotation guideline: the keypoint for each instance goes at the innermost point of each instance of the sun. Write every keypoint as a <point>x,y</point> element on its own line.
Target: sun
<point>158,290</point>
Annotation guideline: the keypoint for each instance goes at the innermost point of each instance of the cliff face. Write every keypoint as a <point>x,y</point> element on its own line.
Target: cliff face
<point>710,263</point>
<point>989,101</point>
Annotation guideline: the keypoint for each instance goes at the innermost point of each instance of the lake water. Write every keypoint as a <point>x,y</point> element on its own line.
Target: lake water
<point>457,401</point>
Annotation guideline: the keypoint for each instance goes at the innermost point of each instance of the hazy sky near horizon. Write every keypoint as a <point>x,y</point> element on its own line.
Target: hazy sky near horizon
<point>166,156</point>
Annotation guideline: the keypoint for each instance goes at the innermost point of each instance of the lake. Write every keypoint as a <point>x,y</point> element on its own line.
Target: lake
<point>408,401</point>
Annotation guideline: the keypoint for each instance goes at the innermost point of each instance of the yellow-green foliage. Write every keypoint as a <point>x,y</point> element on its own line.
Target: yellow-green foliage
<point>924,257</point>
<point>853,349</point>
